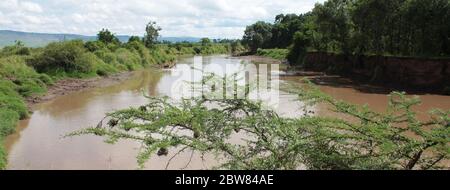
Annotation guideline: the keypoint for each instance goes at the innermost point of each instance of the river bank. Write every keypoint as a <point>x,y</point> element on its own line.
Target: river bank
<point>71,85</point>
<point>413,75</point>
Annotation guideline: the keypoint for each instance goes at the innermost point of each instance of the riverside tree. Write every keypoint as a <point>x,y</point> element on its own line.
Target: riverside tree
<point>107,37</point>
<point>417,28</point>
<point>152,34</point>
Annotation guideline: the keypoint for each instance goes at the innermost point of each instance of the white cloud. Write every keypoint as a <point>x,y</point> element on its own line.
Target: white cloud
<point>202,18</point>
<point>31,7</point>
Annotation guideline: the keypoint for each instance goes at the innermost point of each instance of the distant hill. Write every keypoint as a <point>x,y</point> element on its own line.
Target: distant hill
<point>8,37</point>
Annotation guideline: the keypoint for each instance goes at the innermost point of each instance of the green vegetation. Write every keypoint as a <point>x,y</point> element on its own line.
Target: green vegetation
<point>279,54</point>
<point>417,28</point>
<point>151,34</point>
<point>206,47</point>
<point>360,139</point>
<point>27,72</point>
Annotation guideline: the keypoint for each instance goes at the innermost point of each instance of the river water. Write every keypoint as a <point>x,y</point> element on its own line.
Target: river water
<point>39,143</point>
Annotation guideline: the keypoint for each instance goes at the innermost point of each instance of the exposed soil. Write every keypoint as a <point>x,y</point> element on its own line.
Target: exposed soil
<point>70,85</point>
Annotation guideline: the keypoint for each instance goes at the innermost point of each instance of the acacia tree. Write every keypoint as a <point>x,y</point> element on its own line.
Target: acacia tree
<point>152,34</point>
<point>394,139</point>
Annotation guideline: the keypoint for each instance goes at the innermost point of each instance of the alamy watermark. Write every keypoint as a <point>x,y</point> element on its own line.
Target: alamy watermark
<point>226,79</point>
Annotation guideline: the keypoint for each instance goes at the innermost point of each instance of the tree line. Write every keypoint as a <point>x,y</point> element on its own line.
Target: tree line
<point>418,28</point>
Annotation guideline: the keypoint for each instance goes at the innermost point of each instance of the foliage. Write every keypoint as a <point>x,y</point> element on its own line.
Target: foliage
<point>284,29</point>
<point>134,39</point>
<point>17,49</point>
<point>205,41</point>
<point>297,52</point>
<point>12,108</point>
<point>279,54</point>
<point>61,57</point>
<point>93,46</point>
<point>27,81</point>
<point>152,34</point>
<point>236,47</point>
<point>257,36</point>
<point>107,37</point>
<point>131,60</point>
<point>416,28</point>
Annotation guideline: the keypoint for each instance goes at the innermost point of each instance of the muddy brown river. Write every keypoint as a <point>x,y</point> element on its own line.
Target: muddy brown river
<point>39,143</point>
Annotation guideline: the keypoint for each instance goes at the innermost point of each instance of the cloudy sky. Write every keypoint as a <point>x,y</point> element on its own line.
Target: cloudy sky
<point>198,18</point>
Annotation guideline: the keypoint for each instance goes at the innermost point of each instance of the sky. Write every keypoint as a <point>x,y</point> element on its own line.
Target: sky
<point>177,18</point>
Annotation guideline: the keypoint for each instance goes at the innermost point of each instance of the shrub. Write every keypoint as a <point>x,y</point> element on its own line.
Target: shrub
<point>8,121</point>
<point>103,69</point>
<point>279,54</point>
<point>17,49</point>
<point>12,108</point>
<point>11,100</point>
<point>86,62</point>
<point>46,79</point>
<point>131,60</point>
<point>28,82</point>
<point>297,52</point>
<point>144,53</point>
<point>93,46</point>
<point>3,159</point>
<point>61,56</point>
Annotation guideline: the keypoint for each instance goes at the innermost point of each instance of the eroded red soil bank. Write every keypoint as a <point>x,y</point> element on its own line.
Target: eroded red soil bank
<point>418,74</point>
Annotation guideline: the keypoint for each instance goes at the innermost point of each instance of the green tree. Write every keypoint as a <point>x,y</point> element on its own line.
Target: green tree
<point>107,37</point>
<point>205,41</point>
<point>258,35</point>
<point>134,39</point>
<point>284,29</point>
<point>152,34</point>
<point>333,22</point>
<point>297,52</point>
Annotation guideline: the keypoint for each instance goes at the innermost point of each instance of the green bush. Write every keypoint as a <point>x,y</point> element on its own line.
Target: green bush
<point>61,57</point>
<point>131,60</point>
<point>144,52</point>
<point>8,122</point>
<point>298,50</point>
<point>3,159</point>
<point>30,87</point>
<point>93,46</point>
<point>46,79</point>
<point>28,82</point>
<point>12,108</point>
<point>9,119</point>
<point>17,49</point>
<point>103,69</point>
<point>14,103</point>
<point>87,62</point>
<point>160,56</point>
<point>279,54</point>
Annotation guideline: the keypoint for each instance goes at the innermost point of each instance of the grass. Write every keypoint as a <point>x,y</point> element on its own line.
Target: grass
<point>280,54</point>
<point>12,108</point>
